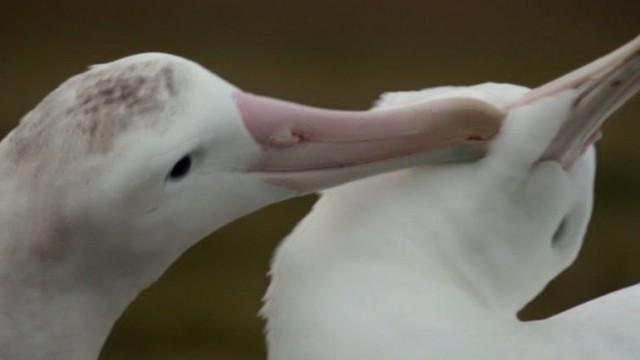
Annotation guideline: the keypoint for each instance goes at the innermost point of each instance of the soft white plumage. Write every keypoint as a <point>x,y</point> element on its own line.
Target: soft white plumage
<point>122,168</point>
<point>432,263</point>
<point>435,262</point>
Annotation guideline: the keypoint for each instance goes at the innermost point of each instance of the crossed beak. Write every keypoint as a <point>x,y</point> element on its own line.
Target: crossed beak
<point>603,86</point>
<point>307,149</point>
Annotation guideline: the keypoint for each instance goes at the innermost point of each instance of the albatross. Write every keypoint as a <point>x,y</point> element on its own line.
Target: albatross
<point>435,262</point>
<point>123,167</point>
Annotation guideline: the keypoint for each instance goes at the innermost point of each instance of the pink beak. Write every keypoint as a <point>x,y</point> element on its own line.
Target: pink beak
<point>603,86</point>
<point>308,149</point>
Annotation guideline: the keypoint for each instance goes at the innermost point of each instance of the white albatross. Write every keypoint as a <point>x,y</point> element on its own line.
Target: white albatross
<point>435,262</point>
<point>123,167</point>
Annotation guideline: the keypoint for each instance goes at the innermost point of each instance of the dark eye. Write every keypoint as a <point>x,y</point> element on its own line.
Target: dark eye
<point>559,233</point>
<point>180,169</point>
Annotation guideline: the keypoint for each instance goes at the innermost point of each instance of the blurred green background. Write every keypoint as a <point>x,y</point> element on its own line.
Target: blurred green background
<point>328,53</point>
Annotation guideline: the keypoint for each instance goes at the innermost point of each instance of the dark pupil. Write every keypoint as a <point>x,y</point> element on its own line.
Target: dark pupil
<point>181,168</point>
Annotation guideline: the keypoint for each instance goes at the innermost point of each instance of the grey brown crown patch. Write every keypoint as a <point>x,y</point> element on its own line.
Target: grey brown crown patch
<point>108,101</point>
<point>97,106</point>
<point>129,89</point>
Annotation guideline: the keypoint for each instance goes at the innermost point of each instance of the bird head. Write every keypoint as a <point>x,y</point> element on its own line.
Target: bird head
<point>124,166</point>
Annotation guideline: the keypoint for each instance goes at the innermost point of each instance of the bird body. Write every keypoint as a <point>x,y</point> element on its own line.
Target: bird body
<point>435,262</point>
<point>424,263</point>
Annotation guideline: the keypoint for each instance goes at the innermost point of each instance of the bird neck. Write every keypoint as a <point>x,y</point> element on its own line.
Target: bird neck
<point>53,306</point>
<point>56,300</point>
<point>44,318</point>
<point>405,239</point>
<point>368,263</point>
<point>384,244</point>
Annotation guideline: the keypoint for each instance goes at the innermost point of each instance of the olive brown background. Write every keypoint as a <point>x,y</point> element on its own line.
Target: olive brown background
<point>328,53</point>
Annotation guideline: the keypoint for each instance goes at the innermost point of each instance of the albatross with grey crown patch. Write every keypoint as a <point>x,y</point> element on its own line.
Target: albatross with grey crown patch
<point>125,166</point>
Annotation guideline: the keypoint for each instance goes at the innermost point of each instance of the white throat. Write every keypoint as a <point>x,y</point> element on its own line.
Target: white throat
<point>49,309</point>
